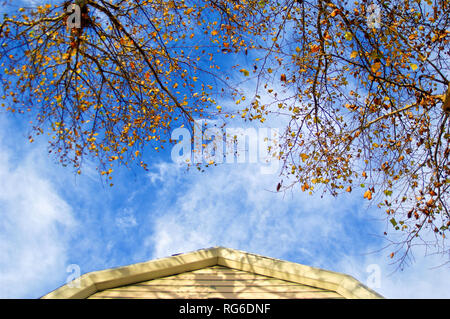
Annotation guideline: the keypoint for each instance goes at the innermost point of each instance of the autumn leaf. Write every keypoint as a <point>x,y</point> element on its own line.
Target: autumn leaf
<point>368,195</point>
<point>348,36</point>
<point>375,67</point>
<point>304,157</point>
<point>334,12</point>
<point>245,72</point>
<point>315,48</point>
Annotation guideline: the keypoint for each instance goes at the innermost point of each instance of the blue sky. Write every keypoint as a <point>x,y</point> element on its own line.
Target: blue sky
<point>52,218</point>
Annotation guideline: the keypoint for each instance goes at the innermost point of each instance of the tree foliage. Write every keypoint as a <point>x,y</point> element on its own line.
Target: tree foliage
<point>363,86</point>
<point>114,80</point>
<point>368,103</point>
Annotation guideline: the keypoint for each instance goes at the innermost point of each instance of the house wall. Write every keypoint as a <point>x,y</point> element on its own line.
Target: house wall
<point>216,282</point>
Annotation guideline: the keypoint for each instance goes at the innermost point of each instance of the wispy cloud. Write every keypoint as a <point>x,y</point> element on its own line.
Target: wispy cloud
<point>236,206</point>
<point>35,228</point>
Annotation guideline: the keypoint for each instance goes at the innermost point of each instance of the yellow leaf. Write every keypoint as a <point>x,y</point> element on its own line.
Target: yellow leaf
<point>354,54</point>
<point>414,67</point>
<point>335,12</point>
<point>368,195</point>
<point>375,67</point>
<point>348,36</point>
<point>245,72</point>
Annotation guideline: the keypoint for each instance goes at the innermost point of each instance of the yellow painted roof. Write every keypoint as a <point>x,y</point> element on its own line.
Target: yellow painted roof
<point>215,273</point>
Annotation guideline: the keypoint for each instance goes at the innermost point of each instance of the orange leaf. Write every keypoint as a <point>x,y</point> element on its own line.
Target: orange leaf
<point>368,195</point>
<point>375,67</point>
<point>314,48</point>
<point>335,12</point>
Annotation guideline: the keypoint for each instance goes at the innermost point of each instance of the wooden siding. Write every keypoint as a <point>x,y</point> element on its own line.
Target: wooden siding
<point>216,282</point>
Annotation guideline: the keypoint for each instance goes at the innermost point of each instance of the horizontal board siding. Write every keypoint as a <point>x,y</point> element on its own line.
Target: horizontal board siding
<point>239,295</point>
<point>220,276</point>
<point>216,282</point>
<point>216,288</point>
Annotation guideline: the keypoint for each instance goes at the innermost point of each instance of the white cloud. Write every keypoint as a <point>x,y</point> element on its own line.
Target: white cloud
<point>126,219</point>
<point>420,279</point>
<point>235,206</point>
<point>34,228</point>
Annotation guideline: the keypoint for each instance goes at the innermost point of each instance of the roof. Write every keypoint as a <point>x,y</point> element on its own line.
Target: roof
<point>215,272</point>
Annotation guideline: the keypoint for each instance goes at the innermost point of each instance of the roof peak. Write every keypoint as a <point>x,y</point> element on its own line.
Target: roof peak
<point>93,282</point>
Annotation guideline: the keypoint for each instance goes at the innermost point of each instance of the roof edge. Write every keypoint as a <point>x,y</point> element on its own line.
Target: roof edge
<point>343,284</point>
<point>93,282</point>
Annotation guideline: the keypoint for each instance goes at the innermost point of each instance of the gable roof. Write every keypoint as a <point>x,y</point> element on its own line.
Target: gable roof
<point>238,261</point>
